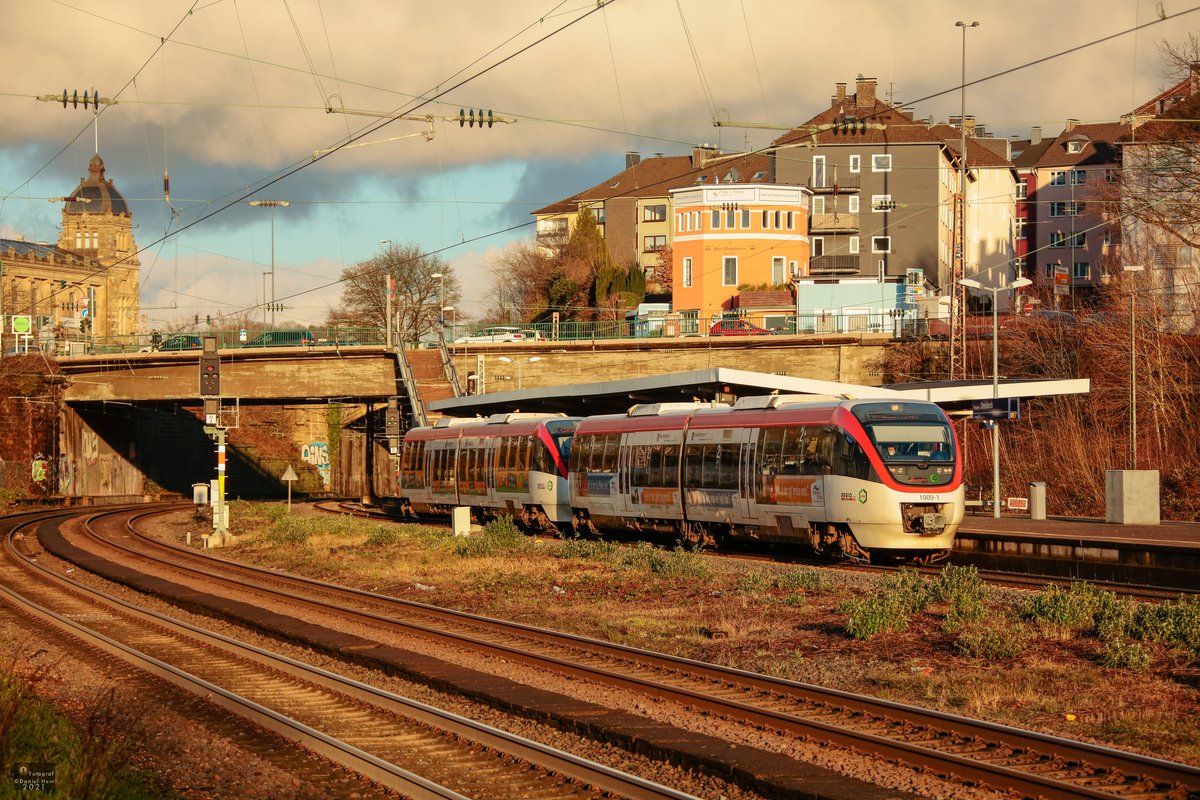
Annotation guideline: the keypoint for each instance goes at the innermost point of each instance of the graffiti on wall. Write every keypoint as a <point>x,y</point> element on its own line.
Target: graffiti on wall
<point>37,472</point>
<point>317,454</point>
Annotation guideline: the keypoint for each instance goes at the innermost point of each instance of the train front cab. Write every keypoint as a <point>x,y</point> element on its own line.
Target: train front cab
<point>802,469</point>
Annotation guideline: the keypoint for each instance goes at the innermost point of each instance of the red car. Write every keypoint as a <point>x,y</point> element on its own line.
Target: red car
<point>736,327</point>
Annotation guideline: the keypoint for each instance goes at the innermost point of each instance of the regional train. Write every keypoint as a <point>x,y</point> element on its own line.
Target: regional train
<point>852,478</point>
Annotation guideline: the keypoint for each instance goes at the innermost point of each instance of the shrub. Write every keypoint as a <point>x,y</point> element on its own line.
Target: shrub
<point>382,537</point>
<point>754,582</point>
<point>588,550</point>
<point>992,642</point>
<point>1125,655</point>
<point>873,615</point>
<point>1175,624</point>
<point>289,531</point>
<point>499,536</point>
<point>906,590</point>
<point>801,578</point>
<point>964,590</point>
<point>1071,609</point>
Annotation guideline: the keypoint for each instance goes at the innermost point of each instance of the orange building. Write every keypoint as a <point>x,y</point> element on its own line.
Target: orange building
<point>734,238</point>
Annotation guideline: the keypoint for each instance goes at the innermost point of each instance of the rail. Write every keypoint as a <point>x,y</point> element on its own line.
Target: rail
<point>448,365</point>
<point>416,407</point>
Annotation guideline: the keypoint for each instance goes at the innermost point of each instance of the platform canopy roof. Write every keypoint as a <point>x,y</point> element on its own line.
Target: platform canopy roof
<point>719,383</point>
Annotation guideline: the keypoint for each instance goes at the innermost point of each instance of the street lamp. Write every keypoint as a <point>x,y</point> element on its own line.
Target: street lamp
<point>995,290</point>
<point>389,290</point>
<point>271,204</point>
<point>519,362</point>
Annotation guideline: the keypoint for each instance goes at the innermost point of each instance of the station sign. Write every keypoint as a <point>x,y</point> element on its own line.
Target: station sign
<point>996,408</point>
<point>1062,280</point>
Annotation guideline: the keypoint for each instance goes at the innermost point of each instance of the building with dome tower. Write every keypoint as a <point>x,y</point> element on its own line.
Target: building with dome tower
<point>85,287</point>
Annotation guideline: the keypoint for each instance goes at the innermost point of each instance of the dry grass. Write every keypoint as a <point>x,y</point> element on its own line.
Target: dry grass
<point>775,619</point>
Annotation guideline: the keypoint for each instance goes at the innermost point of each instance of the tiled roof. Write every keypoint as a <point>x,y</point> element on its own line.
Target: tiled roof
<point>1026,154</point>
<point>884,124</point>
<point>977,154</point>
<point>1100,147</point>
<point>26,249</point>
<point>655,177</point>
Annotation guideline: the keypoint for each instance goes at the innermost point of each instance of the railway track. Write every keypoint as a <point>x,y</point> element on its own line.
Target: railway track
<point>971,752</point>
<point>408,747</point>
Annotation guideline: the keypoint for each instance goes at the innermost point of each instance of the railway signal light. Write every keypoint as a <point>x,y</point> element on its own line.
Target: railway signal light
<point>210,369</point>
<point>391,424</point>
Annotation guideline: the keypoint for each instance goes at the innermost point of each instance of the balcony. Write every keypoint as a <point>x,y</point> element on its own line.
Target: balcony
<point>827,184</point>
<point>833,265</point>
<point>837,222</point>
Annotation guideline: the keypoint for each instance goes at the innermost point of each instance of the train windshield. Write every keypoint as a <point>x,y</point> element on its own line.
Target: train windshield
<point>908,432</point>
<point>913,441</point>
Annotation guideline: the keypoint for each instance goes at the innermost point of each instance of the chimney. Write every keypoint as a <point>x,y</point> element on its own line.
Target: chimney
<point>840,99</point>
<point>1071,123</point>
<point>969,125</point>
<point>864,92</point>
<point>631,158</point>
<point>701,152</point>
<point>1035,134</point>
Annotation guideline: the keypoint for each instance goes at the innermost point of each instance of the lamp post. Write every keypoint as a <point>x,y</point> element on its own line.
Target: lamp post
<point>271,204</point>
<point>441,295</point>
<point>389,290</point>
<point>995,290</point>
<point>452,326</point>
<point>264,276</point>
<point>519,362</point>
<point>1132,370</point>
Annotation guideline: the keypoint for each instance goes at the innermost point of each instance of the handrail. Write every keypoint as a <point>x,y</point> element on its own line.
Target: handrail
<point>419,417</point>
<point>448,365</point>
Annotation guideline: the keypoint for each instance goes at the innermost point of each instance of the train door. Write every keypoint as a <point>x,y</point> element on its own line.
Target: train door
<point>650,474</point>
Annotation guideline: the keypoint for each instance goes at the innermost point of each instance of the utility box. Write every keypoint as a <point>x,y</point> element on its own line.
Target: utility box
<point>460,520</point>
<point>1131,496</point>
<point>200,494</point>
<point>1037,500</point>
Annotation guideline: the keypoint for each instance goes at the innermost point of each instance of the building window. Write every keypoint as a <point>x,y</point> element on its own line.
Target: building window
<point>854,245</point>
<point>695,220</point>
<point>778,266</point>
<point>758,176</point>
<point>1023,189</point>
<point>881,162</point>
<point>853,204</point>
<point>716,220</point>
<point>656,213</point>
<point>746,219</point>
<point>881,244</point>
<point>778,220</point>
<point>1112,175</point>
<point>1020,227</point>
<point>791,221</point>
<point>1058,179</point>
<point>687,272</point>
<point>766,220</point>
<point>1018,267</point>
<point>731,219</point>
<point>818,173</point>
<point>882,202</point>
<point>1078,177</point>
<point>818,205</point>
<point>818,246</point>
<point>1078,239</point>
<point>1080,271</point>
<point>1057,209</point>
<point>729,271</point>
<point>654,243</point>
<point>1057,239</point>
<point>856,163</point>
<point>1075,147</point>
<point>598,211</point>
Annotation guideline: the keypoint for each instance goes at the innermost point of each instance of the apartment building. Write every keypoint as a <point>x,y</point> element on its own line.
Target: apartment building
<point>730,237</point>
<point>1069,183</point>
<point>633,208</point>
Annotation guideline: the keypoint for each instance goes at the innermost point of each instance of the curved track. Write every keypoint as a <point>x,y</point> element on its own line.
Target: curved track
<point>972,752</point>
<point>405,746</point>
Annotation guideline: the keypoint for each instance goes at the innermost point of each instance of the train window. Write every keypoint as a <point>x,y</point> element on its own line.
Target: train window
<point>727,467</point>
<point>608,462</point>
<point>793,450</point>
<point>670,466</point>
<point>639,458</point>
<point>693,457</point>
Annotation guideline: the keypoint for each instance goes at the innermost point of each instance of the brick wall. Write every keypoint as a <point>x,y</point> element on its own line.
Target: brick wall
<point>29,398</point>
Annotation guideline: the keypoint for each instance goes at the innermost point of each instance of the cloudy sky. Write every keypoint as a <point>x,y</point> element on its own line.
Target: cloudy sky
<point>232,99</point>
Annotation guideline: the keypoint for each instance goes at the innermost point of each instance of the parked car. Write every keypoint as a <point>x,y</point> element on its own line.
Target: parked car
<point>182,342</point>
<point>296,338</point>
<point>499,333</point>
<point>533,336</point>
<point>736,327</point>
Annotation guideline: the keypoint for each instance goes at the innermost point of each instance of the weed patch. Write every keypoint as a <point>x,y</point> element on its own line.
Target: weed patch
<point>501,536</point>
<point>995,642</point>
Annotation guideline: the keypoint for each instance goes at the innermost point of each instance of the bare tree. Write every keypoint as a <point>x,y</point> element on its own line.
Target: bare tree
<point>418,297</point>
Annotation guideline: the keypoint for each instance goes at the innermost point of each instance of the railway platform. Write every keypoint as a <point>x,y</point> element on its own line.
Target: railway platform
<point>1165,555</point>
